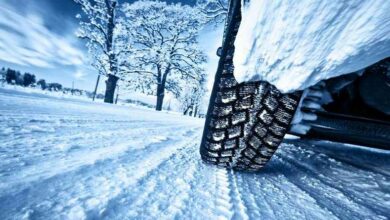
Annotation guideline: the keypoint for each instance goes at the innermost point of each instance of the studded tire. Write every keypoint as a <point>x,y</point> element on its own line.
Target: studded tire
<point>246,122</point>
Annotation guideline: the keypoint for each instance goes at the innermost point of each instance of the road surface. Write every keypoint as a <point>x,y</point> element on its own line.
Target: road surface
<point>74,159</point>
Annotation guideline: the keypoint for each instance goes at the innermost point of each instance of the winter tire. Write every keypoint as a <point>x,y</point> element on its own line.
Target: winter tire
<point>245,123</point>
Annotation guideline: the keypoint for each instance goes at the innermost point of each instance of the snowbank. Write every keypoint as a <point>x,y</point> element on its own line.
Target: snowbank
<point>46,93</point>
<point>294,44</point>
<point>141,99</point>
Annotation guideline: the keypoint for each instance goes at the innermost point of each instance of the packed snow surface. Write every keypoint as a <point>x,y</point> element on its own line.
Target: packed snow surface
<point>64,158</point>
<point>294,44</point>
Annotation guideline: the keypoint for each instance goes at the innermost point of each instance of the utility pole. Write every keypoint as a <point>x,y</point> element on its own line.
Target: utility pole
<point>72,91</point>
<point>96,87</point>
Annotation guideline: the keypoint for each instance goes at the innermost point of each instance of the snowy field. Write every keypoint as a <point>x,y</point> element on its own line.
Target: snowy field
<point>74,159</point>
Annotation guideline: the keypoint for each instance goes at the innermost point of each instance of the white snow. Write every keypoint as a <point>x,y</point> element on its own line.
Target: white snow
<point>64,158</point>
<point>294,44</point>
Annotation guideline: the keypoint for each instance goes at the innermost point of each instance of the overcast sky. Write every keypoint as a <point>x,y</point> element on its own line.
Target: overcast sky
<point>38,36</point>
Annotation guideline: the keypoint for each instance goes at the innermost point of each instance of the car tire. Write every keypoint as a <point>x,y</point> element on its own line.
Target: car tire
<point>247,123</point>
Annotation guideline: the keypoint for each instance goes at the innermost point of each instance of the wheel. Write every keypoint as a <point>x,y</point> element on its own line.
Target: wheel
<point>245,123</point>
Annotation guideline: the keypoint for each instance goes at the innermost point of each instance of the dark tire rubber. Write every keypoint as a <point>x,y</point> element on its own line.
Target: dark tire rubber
<point>248,123</point>
<point>245,123</point>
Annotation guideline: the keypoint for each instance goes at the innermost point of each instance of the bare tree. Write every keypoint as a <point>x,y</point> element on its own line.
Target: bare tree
<point>99,26</point>
<point>165,47</point>
<point>215,11</point>
<point>192,96</point>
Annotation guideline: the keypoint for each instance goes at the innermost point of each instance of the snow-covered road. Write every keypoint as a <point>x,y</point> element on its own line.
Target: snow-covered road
<point>72,159</point>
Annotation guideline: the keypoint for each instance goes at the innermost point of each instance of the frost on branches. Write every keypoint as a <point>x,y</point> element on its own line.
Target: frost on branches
<point>165,54</point>
<point>214,11</point>
<point>191,98</point>
<point>99,26</point>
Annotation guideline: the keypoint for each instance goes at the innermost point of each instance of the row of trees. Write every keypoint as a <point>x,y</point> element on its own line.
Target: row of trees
<point>149,46</point>
<point>15,77</point>
<point>11,76</point>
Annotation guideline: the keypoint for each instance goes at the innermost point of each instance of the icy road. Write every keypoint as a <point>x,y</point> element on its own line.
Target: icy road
<point>71,159</point>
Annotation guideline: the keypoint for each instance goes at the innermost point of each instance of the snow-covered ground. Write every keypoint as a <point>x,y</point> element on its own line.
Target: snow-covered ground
<point>294,44</point>
<point>125,97</point>
<point>74,159</point>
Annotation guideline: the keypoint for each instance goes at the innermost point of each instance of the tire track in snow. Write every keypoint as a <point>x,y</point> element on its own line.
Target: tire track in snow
<point>339,171</point>
<point>56,129</point>
<point>201,203</point>
<point>257,205</point>
<point>348,161</point>
<point>373,170</point>
<point>55,146</point>
<point>95,184</point>
<point>327,197</point>
<point>266,193</point>
<point>29,151</point>
<point>223,202</point>
<point>214,195</point>
<point>34,141</point>
<point>70,161</point>
<point>240,210</point>
<point>163,190</point>
<point>77,133</point>
<point>228,202</point>
<point>301,202</point>
<point>273,197</point>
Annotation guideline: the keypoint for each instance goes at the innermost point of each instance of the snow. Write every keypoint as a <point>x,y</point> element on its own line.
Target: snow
<point>64,158</point>
<point>38,91</point>
<point>139,98</point>
<point>294,44</point>
<point>125,97</point>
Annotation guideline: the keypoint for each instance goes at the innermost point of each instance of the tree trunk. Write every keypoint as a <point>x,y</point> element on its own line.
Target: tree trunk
<point>112,59</point>
<point>186,111</point>
<point>110,88</point>
<point>96,87</point>
<point>196,111</point>
<point>160,97</point>
<point>161,87</point>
